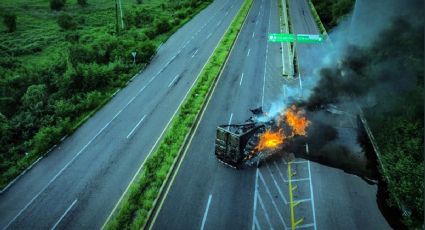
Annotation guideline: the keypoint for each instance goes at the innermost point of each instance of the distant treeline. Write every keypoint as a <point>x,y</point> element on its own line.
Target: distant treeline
<point>332,11</point>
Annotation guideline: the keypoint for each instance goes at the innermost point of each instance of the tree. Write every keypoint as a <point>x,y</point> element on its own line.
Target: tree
<point>10,21</point>
<point>57,4</point>
<point>34,98</point>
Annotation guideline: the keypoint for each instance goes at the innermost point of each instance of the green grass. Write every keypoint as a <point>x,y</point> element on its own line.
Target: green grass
<point>39,44</point>
<point>137,204</point>
<point>317,19</point>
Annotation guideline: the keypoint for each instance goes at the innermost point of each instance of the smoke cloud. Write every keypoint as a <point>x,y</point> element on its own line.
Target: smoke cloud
<point>369,63</point>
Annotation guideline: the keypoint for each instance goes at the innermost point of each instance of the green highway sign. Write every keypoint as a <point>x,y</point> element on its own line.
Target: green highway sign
<point>301,38</point>
<point>281,37</point>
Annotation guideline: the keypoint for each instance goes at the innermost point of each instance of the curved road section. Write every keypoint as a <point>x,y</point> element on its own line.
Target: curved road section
<point>77,185</point>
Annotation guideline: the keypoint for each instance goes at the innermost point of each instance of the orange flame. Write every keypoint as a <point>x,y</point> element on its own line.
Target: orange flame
<point>270,140</point>
<point>296,120</point>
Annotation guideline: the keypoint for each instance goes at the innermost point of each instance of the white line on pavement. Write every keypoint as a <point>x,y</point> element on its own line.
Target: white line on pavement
<point>138,123</point>
<point>312,197</point>
<point>64,214</point>
<point>283,178</point>
<point>294,162</point>
<point>209,35</point>
<point>196,51</point>
<point>173,80</point>
<point>253,33</point>
<point>230,119</point>
<point>204,219</point>
<point>274,203</point>
<point>265,63</point>
<point>305,226</point>
<point>265,211</point>
<point>278,188</point>
<point>255,200</point>
<point>256,224</point>
<point>240,83</point>
<point>60,171</point>
<point>248,52</point>
<point>302,200</point>
<point>218,23</point>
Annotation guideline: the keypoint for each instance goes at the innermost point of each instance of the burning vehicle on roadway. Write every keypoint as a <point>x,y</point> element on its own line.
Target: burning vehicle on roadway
<point>259,137</point>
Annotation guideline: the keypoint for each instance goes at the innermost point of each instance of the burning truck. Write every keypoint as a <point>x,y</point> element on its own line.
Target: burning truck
<point>259,137</point>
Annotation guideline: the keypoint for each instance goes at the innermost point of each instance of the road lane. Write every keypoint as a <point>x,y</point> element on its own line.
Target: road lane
<point>95,164</point>
<point>200,173</point>
<point>341,200</point>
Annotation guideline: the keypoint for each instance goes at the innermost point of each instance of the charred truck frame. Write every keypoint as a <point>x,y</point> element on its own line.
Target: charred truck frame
<point>236,145</point>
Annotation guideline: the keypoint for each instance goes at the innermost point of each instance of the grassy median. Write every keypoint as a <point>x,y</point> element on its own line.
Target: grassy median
<point>136,205</point>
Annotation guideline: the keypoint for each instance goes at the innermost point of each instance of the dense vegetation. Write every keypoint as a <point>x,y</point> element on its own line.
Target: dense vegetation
<point>136,205</point>
<point>397,119</point>
<point>61,60</point>
<point>331,12</point>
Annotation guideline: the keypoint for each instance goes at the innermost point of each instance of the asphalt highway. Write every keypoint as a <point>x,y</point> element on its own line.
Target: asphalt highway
<point>77,184</point>
<point>341,200</point>
<point>206,194</point>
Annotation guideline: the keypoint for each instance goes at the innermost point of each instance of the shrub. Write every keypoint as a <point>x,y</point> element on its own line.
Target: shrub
<point>145,52</point>
<point>66,22</point>
<point>47,136</point>
<point>82,2</point>
<point>139,18</point>
<point>72,37</point>
<point>163,26</point>
<point>150,33</point>
<point>57,4</point>
<point>10,22</point>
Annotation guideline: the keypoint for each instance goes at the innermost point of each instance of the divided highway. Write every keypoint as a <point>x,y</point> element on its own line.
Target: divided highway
<point>205,194</point>
<point>77,185</point>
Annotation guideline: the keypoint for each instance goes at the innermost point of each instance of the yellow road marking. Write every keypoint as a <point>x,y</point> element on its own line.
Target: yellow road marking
<point>292,204</point>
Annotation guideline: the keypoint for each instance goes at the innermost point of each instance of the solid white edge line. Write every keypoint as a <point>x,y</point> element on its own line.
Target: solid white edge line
<point>312,196</point>
<point>173,80</point>
<point>240,83</point>
<point>204,219</point>
<point>138,123</point>
<point>64,214</point>
<point>255,200</point>
<point>265,211</point>
<point>257,225</point>
<point>60,172</point>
